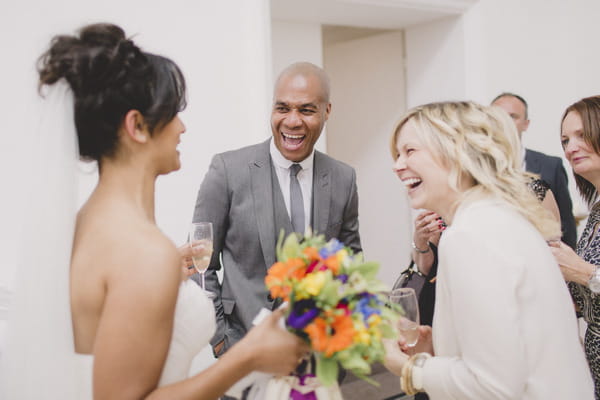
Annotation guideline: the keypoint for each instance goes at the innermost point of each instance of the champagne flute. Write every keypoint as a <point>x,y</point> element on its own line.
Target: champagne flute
<point>201,243</point>
<point>408,324</point>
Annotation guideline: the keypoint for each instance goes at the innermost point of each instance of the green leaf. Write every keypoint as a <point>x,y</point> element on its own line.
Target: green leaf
<point>368,270</point>
<point>377,286</point>
<point>359,258</point>
<point>278,247</point>
<point>387,331</point>
<point>327,370</point>
<point>357,365</point>
<point>291,248</point>
<point>391,312</point>
<point>329,294</point>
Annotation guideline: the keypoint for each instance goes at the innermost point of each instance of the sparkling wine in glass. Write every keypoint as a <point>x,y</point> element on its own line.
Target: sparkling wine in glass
<point>201,243</point>
<point>408,324</point>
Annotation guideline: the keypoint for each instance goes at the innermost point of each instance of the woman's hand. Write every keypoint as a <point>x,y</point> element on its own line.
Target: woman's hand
<point>397,352</point>
<point>573,267</point>
<point>394,357</point>
<point>424,343</point>
<point>275,350</point>
<point>428,225</point>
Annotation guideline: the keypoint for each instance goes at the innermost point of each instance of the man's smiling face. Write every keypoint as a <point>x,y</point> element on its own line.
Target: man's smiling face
<point>298,115</point>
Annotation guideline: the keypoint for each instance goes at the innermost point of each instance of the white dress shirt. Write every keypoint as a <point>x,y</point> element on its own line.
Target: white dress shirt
<point>305,178</point>
<point>504,324</point>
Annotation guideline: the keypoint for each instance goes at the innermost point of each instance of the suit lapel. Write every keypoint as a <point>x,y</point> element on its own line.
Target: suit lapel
<point>262,195</point>
<point>321,195</point>
<point>532,163</point>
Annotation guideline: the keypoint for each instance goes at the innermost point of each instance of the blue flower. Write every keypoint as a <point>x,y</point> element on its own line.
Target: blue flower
<point>332,247</point>
<point>302,314</point>
<point>342,277</point>
<point>365,308</point>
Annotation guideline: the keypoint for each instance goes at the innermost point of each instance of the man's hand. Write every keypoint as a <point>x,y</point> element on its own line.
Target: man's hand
<point>187,265</point>
<point>218,347</point>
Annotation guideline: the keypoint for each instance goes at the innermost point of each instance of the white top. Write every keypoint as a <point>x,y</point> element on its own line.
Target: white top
<point>504,324</point>
<point>193,326</point>
<point>305,179</point>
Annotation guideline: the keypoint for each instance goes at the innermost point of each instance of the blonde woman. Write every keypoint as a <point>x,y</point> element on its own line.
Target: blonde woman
<point>504,326</point>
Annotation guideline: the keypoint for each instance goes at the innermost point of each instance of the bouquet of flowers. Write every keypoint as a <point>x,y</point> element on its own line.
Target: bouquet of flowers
<point>335,303</point>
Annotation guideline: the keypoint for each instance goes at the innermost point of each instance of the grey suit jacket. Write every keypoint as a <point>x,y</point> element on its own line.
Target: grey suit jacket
<point>242,199</point>
<point>552,171</point>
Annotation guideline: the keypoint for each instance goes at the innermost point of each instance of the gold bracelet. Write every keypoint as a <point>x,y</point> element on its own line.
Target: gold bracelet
<point>406,378</point>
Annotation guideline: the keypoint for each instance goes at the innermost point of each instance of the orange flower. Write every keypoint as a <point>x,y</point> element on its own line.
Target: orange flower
<point>311,253</point>
<point>282,291</point>
<point>317,331</point>
<point>331,339</point>
<point>333,264</point>
<point>296,268</point>
<point>275,281</point>
<point>278,271</point>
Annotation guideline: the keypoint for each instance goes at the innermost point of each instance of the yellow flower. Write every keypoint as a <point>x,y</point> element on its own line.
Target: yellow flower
<point>313,283</point>
<point>362,336</point>
<point>341,255</point>
<point>376,333</point>
<point>374,320</point>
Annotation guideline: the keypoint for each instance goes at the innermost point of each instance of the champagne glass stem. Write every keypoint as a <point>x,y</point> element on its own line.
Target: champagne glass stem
<point>202,277</point>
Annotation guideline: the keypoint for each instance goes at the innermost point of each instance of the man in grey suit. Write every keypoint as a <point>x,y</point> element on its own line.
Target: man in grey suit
<point>246,195</point>
<point>549,168</point>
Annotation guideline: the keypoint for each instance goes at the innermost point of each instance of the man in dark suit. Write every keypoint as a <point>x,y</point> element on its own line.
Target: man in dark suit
<point>247,195</point>
<point>548,167</point>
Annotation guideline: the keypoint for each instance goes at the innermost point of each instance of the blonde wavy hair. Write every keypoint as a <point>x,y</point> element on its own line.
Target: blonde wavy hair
<point>479,143</point>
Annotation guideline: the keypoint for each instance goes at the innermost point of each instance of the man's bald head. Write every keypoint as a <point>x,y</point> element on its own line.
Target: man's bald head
<point>307,69</point>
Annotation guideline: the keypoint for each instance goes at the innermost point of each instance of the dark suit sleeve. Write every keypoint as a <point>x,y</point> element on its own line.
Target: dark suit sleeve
<point>565,206</point>
<point>349,233</point>
<point>212,205</point>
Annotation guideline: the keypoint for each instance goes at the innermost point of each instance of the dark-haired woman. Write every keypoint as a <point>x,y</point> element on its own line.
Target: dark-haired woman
<point>135,325</point>
<point>580,137</point>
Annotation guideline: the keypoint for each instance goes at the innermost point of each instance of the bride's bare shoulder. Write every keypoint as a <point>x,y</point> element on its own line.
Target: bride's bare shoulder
<point>120,243</point>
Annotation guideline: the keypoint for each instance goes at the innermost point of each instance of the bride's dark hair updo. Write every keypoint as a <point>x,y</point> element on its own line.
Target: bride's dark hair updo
<point>109,76</point>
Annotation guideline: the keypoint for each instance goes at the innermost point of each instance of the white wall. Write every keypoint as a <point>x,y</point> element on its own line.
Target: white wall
<point>223,49</point>
<point>295,41</point>
<point>368,97</point>
<point>543,50</point>
<point>435,62</point>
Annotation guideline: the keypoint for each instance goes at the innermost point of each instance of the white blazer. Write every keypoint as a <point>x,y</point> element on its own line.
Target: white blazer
<point>504,324</point>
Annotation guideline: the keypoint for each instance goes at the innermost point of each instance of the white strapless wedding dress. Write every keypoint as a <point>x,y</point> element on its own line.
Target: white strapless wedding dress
<point>193,327</point>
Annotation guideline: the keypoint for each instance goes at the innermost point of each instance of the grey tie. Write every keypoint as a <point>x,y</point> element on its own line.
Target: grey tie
<point>296,202</point>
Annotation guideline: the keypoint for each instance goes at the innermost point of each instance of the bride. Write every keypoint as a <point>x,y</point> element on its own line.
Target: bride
<point>134,322</point>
